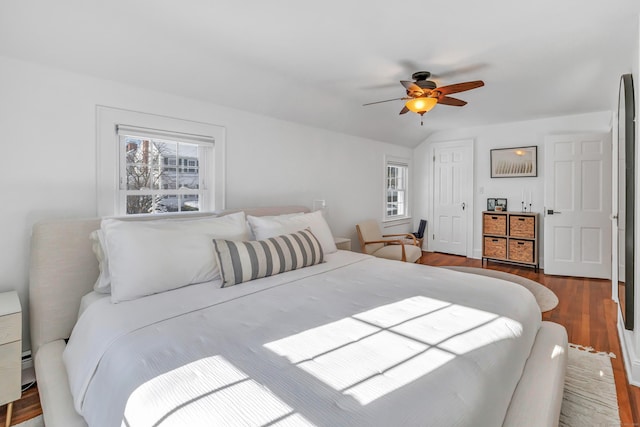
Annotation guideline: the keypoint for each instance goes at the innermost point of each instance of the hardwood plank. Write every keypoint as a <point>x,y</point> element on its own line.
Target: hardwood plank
<point>619,374</point>
<point>24,409</point>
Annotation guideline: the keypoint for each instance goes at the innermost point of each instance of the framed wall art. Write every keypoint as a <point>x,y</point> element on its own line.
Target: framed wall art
<point>514,162</point>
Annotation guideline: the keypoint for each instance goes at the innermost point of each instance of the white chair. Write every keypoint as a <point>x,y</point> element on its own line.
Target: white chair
<point>400,247</point>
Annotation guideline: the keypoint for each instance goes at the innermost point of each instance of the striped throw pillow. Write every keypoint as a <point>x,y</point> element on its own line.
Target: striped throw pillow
<point>243,261</point>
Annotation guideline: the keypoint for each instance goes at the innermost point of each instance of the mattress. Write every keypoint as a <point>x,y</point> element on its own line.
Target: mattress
<point>353,341</point>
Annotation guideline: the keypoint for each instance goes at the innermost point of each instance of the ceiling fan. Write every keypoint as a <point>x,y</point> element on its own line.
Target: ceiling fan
<point>423,94</point>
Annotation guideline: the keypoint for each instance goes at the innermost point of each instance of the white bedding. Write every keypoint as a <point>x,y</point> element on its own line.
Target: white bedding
<point>89,299</point>
<point>354,341</point>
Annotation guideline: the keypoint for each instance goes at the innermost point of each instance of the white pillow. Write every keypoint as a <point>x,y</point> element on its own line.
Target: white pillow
<point>103,284</point>
<point>266,227</point>
<point>253,237</point>
<point>148,257</point>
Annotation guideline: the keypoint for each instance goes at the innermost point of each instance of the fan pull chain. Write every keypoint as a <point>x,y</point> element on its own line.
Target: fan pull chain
<point>421,117</point>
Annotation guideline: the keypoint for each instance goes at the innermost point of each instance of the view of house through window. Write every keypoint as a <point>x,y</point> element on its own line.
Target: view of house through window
<point>396,185</point>
<point>158,175</point>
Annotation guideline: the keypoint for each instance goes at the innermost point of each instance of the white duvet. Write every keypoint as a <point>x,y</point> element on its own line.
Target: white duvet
<point>356,341</point>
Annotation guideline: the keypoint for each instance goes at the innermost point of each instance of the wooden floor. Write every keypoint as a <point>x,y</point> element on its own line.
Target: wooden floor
<point>585,310</point>
<point>24,409</point>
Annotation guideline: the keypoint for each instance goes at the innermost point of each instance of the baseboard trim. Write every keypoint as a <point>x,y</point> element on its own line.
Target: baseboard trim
<point>629,358</point>
<point>28,372</point>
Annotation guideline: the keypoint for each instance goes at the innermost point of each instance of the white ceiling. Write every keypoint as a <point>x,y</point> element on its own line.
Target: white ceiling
<point>317,62</point>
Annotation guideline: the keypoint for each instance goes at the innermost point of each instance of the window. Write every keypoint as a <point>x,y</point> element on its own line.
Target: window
<point>150,164</point>
<point>149,182</point>
<point>396,189</point>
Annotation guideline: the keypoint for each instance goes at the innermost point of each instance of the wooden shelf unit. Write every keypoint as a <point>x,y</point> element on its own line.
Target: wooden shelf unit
<point>510,237</point>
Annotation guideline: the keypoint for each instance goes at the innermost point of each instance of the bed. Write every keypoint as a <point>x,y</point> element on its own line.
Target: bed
<point>347,340</point>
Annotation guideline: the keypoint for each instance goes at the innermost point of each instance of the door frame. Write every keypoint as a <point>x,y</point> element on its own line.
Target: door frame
<point>470,145</point>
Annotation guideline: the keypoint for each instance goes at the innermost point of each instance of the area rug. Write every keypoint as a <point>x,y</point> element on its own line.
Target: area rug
<point>545,297</point>
<point>33,422</point>
<point>589,390</point>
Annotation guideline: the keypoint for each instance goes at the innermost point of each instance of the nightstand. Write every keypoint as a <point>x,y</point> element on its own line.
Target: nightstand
<point>343,243</point>
<point>10,350</point>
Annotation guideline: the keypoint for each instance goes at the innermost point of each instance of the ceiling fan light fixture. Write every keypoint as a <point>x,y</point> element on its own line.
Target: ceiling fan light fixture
<point>421,105</point>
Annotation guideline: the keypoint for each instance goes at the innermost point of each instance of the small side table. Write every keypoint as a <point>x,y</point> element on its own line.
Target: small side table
<point>10,350</point>
<point>343,243</point>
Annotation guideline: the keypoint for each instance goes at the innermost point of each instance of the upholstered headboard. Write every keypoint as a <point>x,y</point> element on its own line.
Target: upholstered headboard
<point>63,269</point>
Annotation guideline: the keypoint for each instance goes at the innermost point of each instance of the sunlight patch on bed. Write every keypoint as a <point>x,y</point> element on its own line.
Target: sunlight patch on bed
<point>362,360</point>
<point>390,315</point>
<point>212,387</point>
<point>398,376</point>
<point>313,342</point>
<point>381,350</point>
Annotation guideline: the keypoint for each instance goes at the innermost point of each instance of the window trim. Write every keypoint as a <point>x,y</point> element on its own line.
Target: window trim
<point>396,161</point>
<point>108,154</point>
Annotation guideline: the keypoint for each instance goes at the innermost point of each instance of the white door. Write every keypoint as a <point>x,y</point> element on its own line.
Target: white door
<point>452,196</point>
<point>577,198</point>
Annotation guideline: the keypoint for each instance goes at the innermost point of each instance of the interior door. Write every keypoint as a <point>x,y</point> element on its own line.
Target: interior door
<point>577,197</point>
<point>452,196</point>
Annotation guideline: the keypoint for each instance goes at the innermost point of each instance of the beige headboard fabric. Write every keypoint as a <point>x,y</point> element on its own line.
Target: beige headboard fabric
<point>63,269</point>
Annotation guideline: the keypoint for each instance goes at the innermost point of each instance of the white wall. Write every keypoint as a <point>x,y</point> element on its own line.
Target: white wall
<point>47,117</point>
<point>485,138</point>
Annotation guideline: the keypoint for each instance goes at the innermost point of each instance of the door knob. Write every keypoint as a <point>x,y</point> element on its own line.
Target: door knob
<point>463,205</point>
<point>552,212</point>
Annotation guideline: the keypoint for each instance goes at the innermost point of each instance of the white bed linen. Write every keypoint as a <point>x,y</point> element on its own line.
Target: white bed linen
<point>354,341</point>
<point>89,299</point>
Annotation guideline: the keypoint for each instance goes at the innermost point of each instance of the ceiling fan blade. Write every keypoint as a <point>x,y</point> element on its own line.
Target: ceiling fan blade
<point>408,84</point>
<point>379,86</point>
<point>447,100</point>
<point>412,87</point>
<point>465,69</point>
<point>404,110</point>
<point>409,66</point>
<point>386,100</point>
<point>460,87</point>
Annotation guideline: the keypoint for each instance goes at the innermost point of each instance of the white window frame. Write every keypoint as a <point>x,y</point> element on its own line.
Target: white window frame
<point>402,163</point>
<point>205,152</point>
<point>110,200</point>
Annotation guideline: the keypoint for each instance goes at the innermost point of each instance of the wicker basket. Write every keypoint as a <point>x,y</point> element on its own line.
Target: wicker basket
<point>495,247</point>
<point>522,226</point>
<point>495,224</point>
<point>521,250</point>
